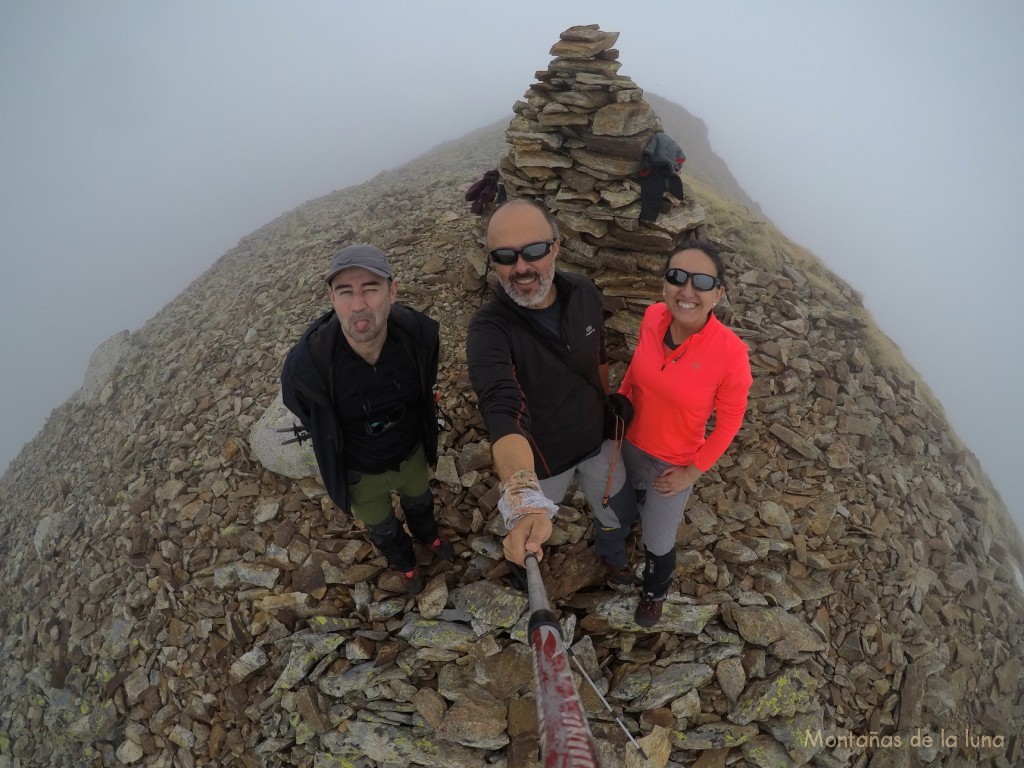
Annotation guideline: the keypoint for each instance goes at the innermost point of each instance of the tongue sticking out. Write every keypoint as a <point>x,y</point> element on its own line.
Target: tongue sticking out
<point>362,325</point>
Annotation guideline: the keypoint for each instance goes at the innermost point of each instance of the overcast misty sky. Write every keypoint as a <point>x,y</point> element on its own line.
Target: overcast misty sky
<point>139,141</point>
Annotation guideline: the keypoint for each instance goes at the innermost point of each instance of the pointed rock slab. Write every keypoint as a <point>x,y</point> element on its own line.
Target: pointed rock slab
<point>427,633</point>
<point>228,576</point>
<point>296,603</point>
<point>714,736</point>
<point>731,677</point>
<point>446,472</point>
<point>527,159</point>
<point>731,551</point>
<point>582,99</point>
<point>98,725</point>
<point>387,744</point>
<point>507,673</point>
<point>572,48</point>
<point>657,745</point>
<point>358,678</point>
<point>765,752</point>
<point>434,597</point>
<point>645,239</point>
<point>676,618</point>
<point>430,705</point>
<point>679,219</point>
<point>590,66</point>
<point>615,166</point>
<point>306,651</point>
<point>785,634</point>
<point>476,720</point>
<point>792,733</point>
<point>307,704</point>
<point>295,460</point>
<point>247,665</point>
<point>782,695</point>
<point>490,604</point>
<point>799,444</point>
<point>623,119</point>
<point>670,683</point>
<point>582,223</point>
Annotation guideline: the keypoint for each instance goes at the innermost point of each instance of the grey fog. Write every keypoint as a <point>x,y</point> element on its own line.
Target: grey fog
<point>139,141</point>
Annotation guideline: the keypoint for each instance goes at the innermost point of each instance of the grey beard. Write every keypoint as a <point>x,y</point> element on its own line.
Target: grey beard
<point>528,302</point>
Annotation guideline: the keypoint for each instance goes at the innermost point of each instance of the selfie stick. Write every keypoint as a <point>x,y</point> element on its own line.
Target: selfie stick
<point>565,739</point>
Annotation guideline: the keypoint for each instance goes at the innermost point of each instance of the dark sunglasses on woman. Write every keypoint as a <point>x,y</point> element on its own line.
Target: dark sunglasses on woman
<point>700,281</point>
<point>532,252</point>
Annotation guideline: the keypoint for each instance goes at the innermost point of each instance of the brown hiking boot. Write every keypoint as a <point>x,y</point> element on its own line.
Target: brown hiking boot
<point>618,576</point>
<point>648,612</point>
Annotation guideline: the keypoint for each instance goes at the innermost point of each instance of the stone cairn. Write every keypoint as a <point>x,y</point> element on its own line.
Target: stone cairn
<point>168,601</point>
<point>576,145</point>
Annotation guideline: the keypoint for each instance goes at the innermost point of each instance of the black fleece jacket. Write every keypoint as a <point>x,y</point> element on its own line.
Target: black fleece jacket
<point>529,382</point>
<point>307,388</point>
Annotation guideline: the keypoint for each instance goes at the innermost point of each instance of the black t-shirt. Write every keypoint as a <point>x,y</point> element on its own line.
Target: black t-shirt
<point>550,318</point>
<point>377,407</point>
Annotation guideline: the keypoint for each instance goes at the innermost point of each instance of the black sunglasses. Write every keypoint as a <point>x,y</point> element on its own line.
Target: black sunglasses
<point>531,252</point>
<point>700,281</point>
<point>394,416</point>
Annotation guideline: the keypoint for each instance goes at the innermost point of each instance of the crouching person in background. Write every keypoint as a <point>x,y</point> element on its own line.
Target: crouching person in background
<point>361,380</point>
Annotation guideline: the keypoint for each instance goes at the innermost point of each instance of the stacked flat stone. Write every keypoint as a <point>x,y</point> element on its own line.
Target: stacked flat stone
<point>576,145</point>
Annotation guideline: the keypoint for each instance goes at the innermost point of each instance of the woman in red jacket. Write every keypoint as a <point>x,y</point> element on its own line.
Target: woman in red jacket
<point>686,366</point>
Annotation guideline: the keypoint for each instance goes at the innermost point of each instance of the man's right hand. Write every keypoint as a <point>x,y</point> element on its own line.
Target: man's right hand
<point>528,534</point>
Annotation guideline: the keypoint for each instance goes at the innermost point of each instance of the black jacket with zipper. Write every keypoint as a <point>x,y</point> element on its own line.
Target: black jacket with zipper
<point>531,383</point>
<point>307,388</point>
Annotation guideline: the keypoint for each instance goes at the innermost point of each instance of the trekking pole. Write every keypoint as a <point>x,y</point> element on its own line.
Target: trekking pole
<point>565,739</point>
<point>616,718</point>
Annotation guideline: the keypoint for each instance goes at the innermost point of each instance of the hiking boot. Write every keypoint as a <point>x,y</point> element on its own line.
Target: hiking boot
<point>413,580</point>
<point>648,612</point>
<point>442,548</point>
<point>619,576</point>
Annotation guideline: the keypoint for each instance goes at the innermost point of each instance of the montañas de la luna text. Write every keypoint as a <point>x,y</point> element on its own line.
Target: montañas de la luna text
<point>873,740</point>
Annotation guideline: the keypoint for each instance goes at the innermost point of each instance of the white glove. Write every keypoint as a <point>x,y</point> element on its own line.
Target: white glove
<point>520,496</point>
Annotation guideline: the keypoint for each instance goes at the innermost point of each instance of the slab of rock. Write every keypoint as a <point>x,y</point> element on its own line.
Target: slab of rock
<point>670,683</point>
<point>713,736</point>
<point>491,605</point>
<point>783,694</point>
<point>475,720</point>
<point>785,634</point>
<point>388,744</point>
<point>306,651</point>
<point>676,617</point>
<point>295,460</point>
<point>427,633</point>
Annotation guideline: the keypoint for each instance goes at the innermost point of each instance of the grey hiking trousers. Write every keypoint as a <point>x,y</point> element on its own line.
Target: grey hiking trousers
<point>614,521</point>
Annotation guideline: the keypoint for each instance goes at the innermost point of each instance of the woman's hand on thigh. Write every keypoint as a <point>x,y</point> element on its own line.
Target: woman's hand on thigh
<point>675,479</point>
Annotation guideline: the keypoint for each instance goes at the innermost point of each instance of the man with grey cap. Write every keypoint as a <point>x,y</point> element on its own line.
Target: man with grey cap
<point>361,380</point>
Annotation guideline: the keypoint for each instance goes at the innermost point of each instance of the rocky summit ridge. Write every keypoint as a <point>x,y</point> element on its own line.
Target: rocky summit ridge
<point>845,595</point>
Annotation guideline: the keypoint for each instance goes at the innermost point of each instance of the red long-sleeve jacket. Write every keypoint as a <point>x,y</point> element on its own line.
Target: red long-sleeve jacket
<point>673,393</point>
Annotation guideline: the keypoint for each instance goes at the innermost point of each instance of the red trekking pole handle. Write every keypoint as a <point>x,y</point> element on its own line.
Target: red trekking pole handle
<point>565,738</point>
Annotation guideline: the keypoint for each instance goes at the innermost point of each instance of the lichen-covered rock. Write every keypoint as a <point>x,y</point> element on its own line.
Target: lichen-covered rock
<point>783,694</point>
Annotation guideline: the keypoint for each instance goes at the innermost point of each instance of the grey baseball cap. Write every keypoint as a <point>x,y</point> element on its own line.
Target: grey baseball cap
<point>359,255</point>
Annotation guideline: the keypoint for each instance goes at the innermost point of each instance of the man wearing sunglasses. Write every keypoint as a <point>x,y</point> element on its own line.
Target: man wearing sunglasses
<point>361,380</point>
<point>538,365</point>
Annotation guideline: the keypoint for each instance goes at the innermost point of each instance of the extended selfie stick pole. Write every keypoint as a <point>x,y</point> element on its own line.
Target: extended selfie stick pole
<point>565,740</point>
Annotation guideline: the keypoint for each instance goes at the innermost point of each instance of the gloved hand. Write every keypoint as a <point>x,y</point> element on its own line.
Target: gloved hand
<point>618,413</point>
<point>521,495</point>
<point>620,406</point>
